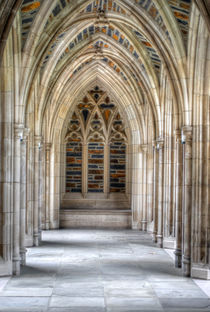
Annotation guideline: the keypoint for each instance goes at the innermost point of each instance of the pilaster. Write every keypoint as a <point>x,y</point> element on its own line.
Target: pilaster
<point>155,191</point>
<point>16,258</point>
<point>47,185</point>
<point>178,196</point>
<point>37,212</point>
<point>24,141</point>
<point>144,150</point>
<point>160,149</point>
<point>187,197</point>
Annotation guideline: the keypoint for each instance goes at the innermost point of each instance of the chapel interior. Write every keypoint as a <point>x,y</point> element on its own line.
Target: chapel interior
<point>105,152</point>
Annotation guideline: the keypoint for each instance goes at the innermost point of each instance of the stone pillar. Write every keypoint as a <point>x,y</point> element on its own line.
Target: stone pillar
<point>84,170</point>
<point>18,134</point>
<point>136,184</point>
<point>144,148</point>
<point>106,169</point>
<point>40,189</point>
<point>178,198</point>
<point>47,185</point>
<point>155,191</point>
<point>187,197</point>
<point>160,148</point>
<point>23,196</point>
<point>36,212</point>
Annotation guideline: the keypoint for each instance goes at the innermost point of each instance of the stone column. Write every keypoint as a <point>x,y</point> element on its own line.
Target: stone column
<point>178,198</point>
<point>160,148</point>
<point>84,169</point>
<point>136,184</point>
<point>106,169</point>
<point>144,148</point>
<point>187,197</point>
<point>23,196</point>
<point>47,185</point>
<point>18,134</point>
<point>155,191</point>
<point>40,189</point>
<point>36,213</point>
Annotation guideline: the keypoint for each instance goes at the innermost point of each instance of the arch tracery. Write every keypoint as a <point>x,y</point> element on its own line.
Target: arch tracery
<point>96,123</point>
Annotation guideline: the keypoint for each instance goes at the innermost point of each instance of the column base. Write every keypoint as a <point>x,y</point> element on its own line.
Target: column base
<point>154,237</point>
<point>47,225</point>
<point>36,241</point>
<point>16,266</point>
<point>159,240</point>
<point>200,271</point>
<point>178,258</point>
<point>144,225</point>
<point>186,269</point>
<point>23,256</point>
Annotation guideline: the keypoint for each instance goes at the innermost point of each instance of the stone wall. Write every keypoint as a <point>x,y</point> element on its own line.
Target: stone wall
<point>117,167</point>
<point>73,167</point>
<point>95,167</point>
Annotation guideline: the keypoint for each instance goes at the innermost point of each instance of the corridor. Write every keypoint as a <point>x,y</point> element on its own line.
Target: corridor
<point>100,271</point>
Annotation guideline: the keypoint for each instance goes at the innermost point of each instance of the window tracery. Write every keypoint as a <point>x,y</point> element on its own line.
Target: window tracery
<point>97,124</point>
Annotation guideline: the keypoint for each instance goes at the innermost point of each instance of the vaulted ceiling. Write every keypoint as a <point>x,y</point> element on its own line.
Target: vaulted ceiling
<point>127,45</point>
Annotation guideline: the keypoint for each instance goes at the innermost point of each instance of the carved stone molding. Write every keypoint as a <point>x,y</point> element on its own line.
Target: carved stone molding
<point>187,134</point>
<point>38,141</point>
<point>19,131</point>
<point>178,135</point>
<point>48,146</point>
<point>144,148</point>
<point>160,143</point>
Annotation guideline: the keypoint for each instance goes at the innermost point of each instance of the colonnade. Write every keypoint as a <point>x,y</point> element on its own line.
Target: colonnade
<point>167,116</point>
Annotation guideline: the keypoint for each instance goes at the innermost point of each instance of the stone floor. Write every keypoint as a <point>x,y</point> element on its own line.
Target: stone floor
<point>100,271</point>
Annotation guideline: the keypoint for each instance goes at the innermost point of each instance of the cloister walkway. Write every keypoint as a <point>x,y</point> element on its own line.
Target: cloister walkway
<point>100,271</point>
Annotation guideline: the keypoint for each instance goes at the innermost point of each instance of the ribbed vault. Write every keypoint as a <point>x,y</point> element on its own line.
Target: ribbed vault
<point>138,46</point>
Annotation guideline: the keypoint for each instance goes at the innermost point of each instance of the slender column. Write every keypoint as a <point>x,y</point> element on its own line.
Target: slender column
<point>178,196</point>
<point>144,148</point>
<point>136,178</point>
<point>47,185</point>
<point>160,148</point>
<point>23,196</point>
<point>40,189</point>
<point>84,170</point>
<point>187,196</point>
<point>36,213</point>
<point>155,191</point>
<point>106,169</point>
<point>18,132</point>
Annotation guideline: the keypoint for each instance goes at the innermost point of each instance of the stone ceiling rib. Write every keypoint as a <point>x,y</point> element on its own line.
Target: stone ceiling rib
<point>66,40</point>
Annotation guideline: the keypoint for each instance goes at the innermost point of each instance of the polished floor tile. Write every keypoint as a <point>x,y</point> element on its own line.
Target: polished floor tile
<point>101,271</point>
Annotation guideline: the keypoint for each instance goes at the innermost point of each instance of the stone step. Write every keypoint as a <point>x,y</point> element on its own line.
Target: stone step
<point>95,201</point>
<point>95,218</point>
<point>94,204</point>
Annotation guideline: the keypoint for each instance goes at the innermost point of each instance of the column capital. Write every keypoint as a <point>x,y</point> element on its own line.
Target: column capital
<point>18,131</point>
<point>160,143</point>
<point>154,144</point>
<point>178,136</point>
<point>144,148</point>
<point>177,133</point>
<point>47,146</point>
<point>26,132</point>
<point>38,141</point>
<point>187,134</point>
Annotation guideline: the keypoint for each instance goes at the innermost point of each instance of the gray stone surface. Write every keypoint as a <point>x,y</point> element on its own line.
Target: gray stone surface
<point>100,271</point>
